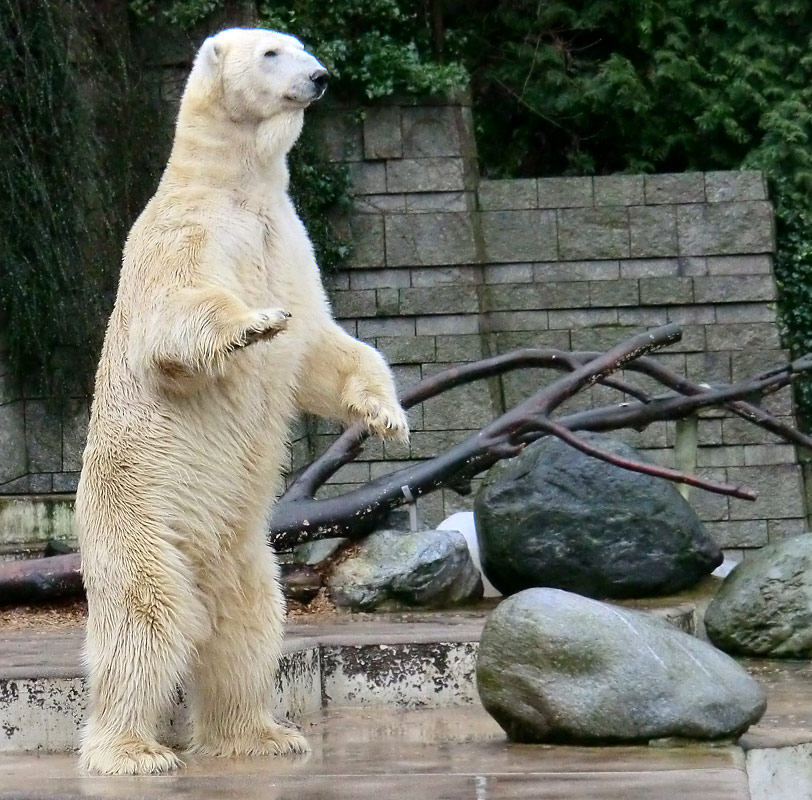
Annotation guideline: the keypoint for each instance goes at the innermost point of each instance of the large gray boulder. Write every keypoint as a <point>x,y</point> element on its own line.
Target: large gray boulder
<point>555,517</point>
<point>558,667</point>
<point>395,569</point>
<point>764,607</point>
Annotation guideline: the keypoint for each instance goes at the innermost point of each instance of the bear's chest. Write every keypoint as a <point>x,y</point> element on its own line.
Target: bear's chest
<point>275,259</point>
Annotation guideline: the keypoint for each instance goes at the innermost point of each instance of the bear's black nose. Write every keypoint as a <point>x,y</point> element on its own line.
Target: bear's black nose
<point>319,77</point>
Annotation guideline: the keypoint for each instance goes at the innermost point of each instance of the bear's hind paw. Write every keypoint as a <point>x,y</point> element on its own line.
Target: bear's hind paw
<point>283,740</point>
<point>128,757</point>
<point>271,739</point>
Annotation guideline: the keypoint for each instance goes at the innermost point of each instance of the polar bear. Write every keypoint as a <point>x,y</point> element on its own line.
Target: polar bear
<point>220,335</point>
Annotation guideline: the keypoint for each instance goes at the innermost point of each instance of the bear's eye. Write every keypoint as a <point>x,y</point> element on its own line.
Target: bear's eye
<point>270,53</point>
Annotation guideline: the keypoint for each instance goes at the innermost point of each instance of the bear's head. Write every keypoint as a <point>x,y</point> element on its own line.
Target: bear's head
<point>254,75</point>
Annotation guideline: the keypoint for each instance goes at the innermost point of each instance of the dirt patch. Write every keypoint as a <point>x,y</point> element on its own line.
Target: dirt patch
<point>73,613</point>
<point>51,616</point>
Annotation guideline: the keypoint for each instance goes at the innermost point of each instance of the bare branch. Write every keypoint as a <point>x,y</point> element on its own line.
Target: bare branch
<point>647,469</point>
<point>349,444</point>
<point>763,419</point>
<point>633,415</point>
<point>601,366</point>
<point>506,435</point>
<point>752,413</point>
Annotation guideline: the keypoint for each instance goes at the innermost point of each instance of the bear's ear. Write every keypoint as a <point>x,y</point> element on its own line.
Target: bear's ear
<point>208,57</point>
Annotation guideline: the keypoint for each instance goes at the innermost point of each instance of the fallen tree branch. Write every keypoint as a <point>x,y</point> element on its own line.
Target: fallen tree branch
<point>300,517</point>
<point>346,447</point>
<point>32,580</point>
<point>359,510</point>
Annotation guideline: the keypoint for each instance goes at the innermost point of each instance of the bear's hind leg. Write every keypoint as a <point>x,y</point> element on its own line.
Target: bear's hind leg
<point>139,639</point>
<point>234,676</point>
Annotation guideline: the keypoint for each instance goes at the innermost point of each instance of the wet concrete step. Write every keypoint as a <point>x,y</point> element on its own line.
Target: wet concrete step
<point>396,660</point>
<point>447,754</point>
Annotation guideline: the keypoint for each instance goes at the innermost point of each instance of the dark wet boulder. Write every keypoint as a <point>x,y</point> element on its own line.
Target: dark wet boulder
<point>555,517</point>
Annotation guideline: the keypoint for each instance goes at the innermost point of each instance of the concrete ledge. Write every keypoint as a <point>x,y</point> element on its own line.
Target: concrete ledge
<point>43,691</point>
<point>28,523</point>
<point>427,662</point>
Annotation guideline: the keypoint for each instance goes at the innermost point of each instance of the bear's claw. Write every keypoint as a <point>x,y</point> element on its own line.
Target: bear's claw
<point>384,420</point>
<point>267,323</point>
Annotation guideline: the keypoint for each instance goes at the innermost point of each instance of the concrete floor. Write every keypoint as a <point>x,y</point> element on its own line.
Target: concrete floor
<point>448,754</point>
<point>443,754</point>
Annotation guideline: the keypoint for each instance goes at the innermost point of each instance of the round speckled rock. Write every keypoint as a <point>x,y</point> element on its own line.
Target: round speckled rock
<point>557,667</point>
<point>554,517</point>
<point>394,569</point>
<point>764,607</point>
<point>315,552</point>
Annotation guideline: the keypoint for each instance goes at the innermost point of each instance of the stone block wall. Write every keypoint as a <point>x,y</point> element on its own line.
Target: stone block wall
<point>40,446</point>
<point>448,269</point>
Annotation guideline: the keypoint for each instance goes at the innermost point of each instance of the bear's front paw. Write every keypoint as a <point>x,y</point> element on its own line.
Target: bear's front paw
<point>265,324</point>
<point>384,419</point>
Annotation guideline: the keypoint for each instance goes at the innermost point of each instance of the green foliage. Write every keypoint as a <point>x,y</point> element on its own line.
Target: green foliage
<point>55,197</point>
<point>320,190</point>
<point>630,85</point>
<point>592,86</point>
<point>373,48</point>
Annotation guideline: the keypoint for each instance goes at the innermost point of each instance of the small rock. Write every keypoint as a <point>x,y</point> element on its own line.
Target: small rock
<point>300,582</point>
<point>558,667</point>
<point>764,607</point>
<point>317,551</point>
<point>55,547</point>
<point>431,569</point>
<point>555,517</point>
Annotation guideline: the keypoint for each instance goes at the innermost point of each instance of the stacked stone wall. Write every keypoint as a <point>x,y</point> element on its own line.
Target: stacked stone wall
<point>449,268</point>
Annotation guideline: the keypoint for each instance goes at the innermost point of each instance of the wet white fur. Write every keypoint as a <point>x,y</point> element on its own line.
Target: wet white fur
<point>200,377</point>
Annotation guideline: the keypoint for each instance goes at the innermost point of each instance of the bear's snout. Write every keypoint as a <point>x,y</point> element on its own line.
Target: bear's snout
<point>320,78</point>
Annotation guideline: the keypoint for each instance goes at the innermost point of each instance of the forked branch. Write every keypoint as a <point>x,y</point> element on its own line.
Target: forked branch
<point>300,517</point>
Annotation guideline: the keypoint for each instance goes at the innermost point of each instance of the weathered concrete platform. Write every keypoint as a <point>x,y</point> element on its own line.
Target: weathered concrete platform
<point>57,654</point>
<point>362,754</point>
<point>391,710</point>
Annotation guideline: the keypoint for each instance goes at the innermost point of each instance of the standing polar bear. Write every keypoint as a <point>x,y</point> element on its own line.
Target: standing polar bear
<point>220,335</point>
